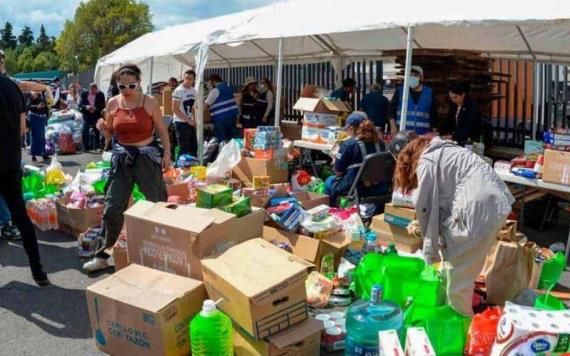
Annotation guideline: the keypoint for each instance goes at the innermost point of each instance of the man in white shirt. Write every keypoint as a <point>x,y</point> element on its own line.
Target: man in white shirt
<point>183,99</point>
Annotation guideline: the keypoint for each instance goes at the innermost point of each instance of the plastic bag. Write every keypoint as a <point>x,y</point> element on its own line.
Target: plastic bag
<point>552,270</point>
<point>482,332</point>
<point>54,173</point>
<point>402,200</point>
<point>319,289</point>
<point>228,158</point>
<point>77,200</point>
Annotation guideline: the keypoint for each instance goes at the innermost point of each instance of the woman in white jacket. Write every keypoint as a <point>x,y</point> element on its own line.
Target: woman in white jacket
<point>460,205</point>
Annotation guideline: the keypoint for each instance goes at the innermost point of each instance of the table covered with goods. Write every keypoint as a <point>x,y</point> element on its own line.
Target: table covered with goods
<point>247,257</point>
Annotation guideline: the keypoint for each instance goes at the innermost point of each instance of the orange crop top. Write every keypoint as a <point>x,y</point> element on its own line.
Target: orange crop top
<point>132,125</point>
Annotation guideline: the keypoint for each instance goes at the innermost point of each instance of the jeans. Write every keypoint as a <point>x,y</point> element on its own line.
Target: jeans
<point>38,131</point>
<point>4,212</point>
<point>88,124</point>
<point>148,175</point>
<point>11,190</point>
<point>225,130</point>
<point>186,138</point>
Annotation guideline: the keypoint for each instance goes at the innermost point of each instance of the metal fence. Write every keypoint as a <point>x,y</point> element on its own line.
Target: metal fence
<point>85,78</point>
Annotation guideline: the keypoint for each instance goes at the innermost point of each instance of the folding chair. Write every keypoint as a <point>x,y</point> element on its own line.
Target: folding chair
<point>377,168</point>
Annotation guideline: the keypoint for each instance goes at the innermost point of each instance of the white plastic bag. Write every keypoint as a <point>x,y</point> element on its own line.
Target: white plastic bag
<point>228,158</point>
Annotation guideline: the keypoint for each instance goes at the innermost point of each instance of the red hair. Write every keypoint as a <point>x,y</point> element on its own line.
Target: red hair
<point>405,177</point>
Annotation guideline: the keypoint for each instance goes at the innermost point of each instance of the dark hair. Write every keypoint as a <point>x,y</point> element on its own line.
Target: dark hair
<point>190,72</point>
<point>269,83</point>
<point>367,132</point>
<point>173,79</point>
<point>459,88</point>
<point>129,69</point>
<point>215,78</point>
<point>348,82</point>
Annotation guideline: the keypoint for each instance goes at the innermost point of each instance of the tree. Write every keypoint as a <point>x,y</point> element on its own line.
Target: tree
<point>45,61</point>
<point>44,42</point>
<point>98,28</point>
<point>25,60</point>
<point>7,38</point>
<point>11,61</point>
<point>26,38</point>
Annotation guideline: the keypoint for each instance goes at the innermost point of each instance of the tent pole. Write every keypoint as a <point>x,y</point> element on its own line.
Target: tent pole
<point>149,90</point>
<point>536,99</point>
<point>406,91</point>
<point>279,83</point>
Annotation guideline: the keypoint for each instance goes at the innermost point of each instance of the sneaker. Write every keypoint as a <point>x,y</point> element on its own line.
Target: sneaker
<point>40,277</point>
<point>34,159</point>
<point>10,232</point>
<point>95,264</point>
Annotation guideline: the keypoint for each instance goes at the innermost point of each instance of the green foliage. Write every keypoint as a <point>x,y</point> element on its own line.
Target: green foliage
<point>45,61</point>
<point>11,61</point>
<point>98,28</point>
<point>26,38</point>
<point>7,38</point>
<point>44,42</point>
<point>25,60</point>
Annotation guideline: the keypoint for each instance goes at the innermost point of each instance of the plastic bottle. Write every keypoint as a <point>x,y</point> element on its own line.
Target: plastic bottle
<point>391,249</point>
<point>327,266</point>
<point>371,244</point>
<point>365,318</point>
<point>211,332</point>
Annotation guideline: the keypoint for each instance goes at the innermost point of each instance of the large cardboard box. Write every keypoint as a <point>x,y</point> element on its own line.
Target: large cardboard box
<point>141,311</point>
<point>308,248</point>
<point>398,216</point>
<point>167,101</point>
<point>303,339</point>
<point>262,286</point>
<point>388,233</point>
<point>318,116</point>
<point>175,238</point>
<point>556,167</point>
<point>248,167</point>
<point>120,257</point>
<point>77,221</point>
<point>178,189</point>
<point>311,200</point>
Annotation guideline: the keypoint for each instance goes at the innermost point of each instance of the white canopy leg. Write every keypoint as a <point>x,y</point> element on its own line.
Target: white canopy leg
<point>279,83</point>
<point>406,91</point>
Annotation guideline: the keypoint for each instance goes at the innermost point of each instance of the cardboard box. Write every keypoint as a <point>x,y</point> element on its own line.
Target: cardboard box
<point>318,116</point>
<point>175,238</point>
<point>311,200</point>
<point>262,286</point>
<point>120,257</point>
<point>167,101</point>
<point>178,189</point>
<point>141,311</point>
<point>308,248</point>
<point>556,167</point>
<point>249,167</point>
<point>401,217</point>
<point>77,221</point>
<point>303,339</point>
<point>388,233</point>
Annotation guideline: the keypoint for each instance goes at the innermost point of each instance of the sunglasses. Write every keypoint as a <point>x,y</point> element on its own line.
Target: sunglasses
<point>125,86</point>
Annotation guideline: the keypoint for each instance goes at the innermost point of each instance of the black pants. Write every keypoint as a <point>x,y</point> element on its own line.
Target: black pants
<point>186,137</point>
<point>11,190</point>
<point>88,124</point>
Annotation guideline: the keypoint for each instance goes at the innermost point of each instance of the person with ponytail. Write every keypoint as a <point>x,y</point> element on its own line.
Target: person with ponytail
<point>461,204</point>
<point>132,119</point>
<point>364,140</point>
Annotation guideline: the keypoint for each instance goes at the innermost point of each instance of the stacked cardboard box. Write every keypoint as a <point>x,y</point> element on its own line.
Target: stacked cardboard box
<point>261,287</point>
<point>391,227</point>
<point>556,167</point>
<point>319,115</point>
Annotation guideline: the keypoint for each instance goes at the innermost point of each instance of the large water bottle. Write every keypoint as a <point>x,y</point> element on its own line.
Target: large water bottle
<point>211,332</point>
<point>364,319</point>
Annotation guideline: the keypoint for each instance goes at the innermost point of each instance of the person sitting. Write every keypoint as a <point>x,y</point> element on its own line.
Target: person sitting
<point>248,97</point>
<point>464,119</point>
<point>364,140</point>
<point>375,105</point>
<point>223,109</point>
<point>345,93</point>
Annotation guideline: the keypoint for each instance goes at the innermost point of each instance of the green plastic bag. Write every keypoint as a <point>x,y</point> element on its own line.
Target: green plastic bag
<point>446,329</point>
<point>99,186</point>
<point>551,271</point>
<point>32,183</point>
<point>426,288</point>
<point>137,194</point>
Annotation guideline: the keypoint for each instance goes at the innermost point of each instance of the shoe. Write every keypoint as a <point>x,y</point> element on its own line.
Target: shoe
<point>34,159</point>
<point>45,157</point>
<point>10,232</point>
<point>96,264</point>
<point>40,277</point>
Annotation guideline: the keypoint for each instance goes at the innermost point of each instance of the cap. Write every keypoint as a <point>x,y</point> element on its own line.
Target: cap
<point>355,118</point>
<point>400,141</point>
<point>249,80</point>
<point>208,306</point>
<point>417,69</point>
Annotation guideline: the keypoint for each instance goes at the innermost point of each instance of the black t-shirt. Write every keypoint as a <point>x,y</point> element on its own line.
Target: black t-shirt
<point>12,105</point>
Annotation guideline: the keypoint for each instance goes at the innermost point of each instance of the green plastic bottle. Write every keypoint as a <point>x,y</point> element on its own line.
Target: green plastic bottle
<point>391,249</point>
<point>211,332</point>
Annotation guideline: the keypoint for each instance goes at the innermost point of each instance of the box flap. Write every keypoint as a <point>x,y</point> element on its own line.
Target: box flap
<point>255,266</point>
<point>339,240</point>
<point>296,333</point>
<point>187,218</point>
<point>303,246</point>
<point>145,288</point>
<point>306,104</point>
<point>335,105</point>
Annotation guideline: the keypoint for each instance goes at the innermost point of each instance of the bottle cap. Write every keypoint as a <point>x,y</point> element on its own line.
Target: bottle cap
<point>208,306</point>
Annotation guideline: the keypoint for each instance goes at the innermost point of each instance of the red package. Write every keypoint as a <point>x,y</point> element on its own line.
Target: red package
<point>343,214</point>
<point>482,332</point>
<point>66,144</point>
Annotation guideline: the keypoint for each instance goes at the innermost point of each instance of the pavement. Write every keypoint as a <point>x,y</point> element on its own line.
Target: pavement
<point>54,320</point>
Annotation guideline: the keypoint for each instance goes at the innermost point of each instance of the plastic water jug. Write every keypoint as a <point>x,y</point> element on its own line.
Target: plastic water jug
<point>365,318</point>
<point>211,332</point>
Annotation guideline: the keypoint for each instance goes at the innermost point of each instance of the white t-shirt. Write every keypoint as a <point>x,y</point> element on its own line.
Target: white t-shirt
<point>73,101</point>
<point>187,96</point>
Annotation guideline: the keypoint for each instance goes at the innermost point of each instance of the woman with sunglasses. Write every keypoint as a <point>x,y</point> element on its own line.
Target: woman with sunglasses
<point>131,117</point>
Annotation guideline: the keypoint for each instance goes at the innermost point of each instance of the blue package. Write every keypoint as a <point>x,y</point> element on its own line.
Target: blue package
<point>279,201</point>
<point>291,219</point>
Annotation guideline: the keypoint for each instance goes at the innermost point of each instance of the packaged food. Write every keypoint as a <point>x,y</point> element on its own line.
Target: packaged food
<point>417,343</point>
<point>319,289</point>
<point>389,343</point>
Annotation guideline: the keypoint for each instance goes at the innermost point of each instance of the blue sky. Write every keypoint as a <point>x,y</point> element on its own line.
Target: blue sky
<point>52,13</point>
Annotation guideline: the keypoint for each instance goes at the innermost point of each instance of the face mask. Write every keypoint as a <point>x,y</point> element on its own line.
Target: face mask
<point>414,82</point>
<point>262,88</point>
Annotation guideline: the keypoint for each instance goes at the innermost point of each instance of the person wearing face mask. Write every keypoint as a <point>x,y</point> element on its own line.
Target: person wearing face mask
<point>223,109</point>
<point>183,98</point>
<point>422,108</point>
<point>132,118</point>
<point>91,106</point>
<point>246,104</point>
<point>264,109</point>
<point>464,119</point>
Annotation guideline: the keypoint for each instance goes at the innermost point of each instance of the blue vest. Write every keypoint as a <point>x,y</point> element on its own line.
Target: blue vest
<point>418,118</point>
<point>224,108</point>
